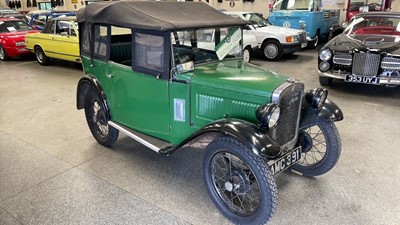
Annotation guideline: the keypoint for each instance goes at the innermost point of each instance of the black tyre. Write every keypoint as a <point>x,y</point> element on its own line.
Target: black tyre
<point>247,54</point>
<point>41,56</point>
<point>3,54</point>
<point>239,182</point>
<point>325,81</point>
<point>97,119</point>
<point>272,50</point>
<point>314,43</point>
<point>321,148</point>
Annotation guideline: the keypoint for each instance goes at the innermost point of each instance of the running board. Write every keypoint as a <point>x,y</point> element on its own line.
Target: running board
<point>154,144</point>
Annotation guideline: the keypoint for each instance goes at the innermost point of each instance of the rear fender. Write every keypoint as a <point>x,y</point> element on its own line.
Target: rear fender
<point>86,84</point>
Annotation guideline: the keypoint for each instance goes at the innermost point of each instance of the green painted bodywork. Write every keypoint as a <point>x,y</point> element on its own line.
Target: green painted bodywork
<point>223,89</point>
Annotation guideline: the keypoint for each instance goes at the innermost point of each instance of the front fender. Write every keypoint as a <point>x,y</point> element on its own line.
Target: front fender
<point>247,133</point>
<point>329,112</point>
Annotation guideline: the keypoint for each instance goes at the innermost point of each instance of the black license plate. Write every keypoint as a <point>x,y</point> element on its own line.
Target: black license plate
<point>285,161</point>
<point>361,79</point>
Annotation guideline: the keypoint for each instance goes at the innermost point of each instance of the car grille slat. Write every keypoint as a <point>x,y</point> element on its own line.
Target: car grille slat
<point>390,63</point>
<point>343,59</point>
<point>365,64</point>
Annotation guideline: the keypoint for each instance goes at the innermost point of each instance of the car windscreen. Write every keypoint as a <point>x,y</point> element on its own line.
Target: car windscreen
<point>256,19</point>
<point>13,26</point>
<point>205,45</point>
<point>377,25</point>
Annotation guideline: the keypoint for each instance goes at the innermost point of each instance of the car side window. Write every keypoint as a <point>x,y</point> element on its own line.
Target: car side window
<point>149,51</point>
<point>100,40</point>
<point>85,38</point>
<point>51,28</point>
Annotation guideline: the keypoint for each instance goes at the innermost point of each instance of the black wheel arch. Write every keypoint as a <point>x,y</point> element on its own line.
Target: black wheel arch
<point>85,84</point>
<point>329,112</point>
<point>247,133</point>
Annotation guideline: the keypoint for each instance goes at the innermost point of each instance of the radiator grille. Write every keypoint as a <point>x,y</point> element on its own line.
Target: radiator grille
<point>390,63</point>
<point>366,64</point>
<point>342,59</point>
<point>290,102</point>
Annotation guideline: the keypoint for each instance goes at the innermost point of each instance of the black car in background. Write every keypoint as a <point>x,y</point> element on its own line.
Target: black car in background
<point>367,52</point>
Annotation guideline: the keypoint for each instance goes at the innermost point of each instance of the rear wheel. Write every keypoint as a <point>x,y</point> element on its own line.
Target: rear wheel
<point>41,57</point>
<point>239,182</point>
<point>3,54</point>
<point>247,54</point>
<point>97,119</point>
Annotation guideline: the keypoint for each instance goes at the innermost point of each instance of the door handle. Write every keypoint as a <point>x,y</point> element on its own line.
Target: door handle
<point>110,76</point>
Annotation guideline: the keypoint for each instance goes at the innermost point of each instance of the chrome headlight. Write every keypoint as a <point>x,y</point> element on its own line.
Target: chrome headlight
<point>324,66</point>
<point>20,43</point>
<point>325,54</point>
<point>268,115</point>
<point>316,97</point>
<point>302,25</point>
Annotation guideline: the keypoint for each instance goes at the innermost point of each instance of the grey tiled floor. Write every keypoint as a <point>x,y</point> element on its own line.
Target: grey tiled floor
<point>53,172</point>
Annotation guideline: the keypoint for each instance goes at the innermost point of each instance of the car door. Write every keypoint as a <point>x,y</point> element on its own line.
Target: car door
<point>133,82</point>
<point>65,41</point>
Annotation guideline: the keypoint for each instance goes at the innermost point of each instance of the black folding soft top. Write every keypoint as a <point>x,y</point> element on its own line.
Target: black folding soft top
<point>156,15</point>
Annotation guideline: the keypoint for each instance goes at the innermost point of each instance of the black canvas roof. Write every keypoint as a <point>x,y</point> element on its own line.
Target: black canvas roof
<point>156,15</point>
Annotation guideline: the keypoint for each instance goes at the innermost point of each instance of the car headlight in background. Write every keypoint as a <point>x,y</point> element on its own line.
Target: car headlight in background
<point>325,55</point>
<point>316,97</point>
<point>268,115</point>
<point>20,43</point>
<point>293,38</point>
<point>302,25</point>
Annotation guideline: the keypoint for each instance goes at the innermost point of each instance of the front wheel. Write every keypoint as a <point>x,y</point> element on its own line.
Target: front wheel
<point>239,182</point>
<point>97,120</point>
<point>321,147</point>
<point>3,54</point>
<point>325,81</point>
<point>314,43</point>
<point>272,50</point>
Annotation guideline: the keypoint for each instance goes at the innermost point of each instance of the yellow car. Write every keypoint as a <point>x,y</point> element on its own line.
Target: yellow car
<point>58,40</point>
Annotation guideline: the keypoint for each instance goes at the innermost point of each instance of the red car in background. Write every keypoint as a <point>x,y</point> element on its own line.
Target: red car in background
<point>12,37</point>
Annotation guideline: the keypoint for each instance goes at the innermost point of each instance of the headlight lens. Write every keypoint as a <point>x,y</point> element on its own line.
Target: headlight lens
<point>324,66</point>
<point>293,38</point>
<point>20,43</point>
<point>316,97</point>
<point>268,115</point>
<point>302,25</point>
<point>325,54</point>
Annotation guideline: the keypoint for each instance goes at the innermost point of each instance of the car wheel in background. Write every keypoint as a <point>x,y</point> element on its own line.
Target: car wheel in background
<point>247,54</point>
<point>41,57</point>
<point>325,81</point>
<point>3,54</point>
<point>239,182</point>
<point>272,50</point>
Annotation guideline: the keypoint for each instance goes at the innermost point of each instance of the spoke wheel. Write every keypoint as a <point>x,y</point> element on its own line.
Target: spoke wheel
<point>321,149</point>
<point>41,57</point>
<point>272,50</point>
<point>3,54</point>
<point>97,119</point>
<point>246,54</point>
<point>239,182</point>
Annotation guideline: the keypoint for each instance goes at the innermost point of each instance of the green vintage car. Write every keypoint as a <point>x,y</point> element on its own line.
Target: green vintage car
<point>152,73</point>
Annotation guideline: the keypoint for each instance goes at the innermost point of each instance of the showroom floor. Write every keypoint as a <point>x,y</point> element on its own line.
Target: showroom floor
<point>52,171</point>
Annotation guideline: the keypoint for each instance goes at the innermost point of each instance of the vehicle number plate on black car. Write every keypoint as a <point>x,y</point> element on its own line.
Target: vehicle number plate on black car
<point>361,79</point>
<point>285,161</point>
